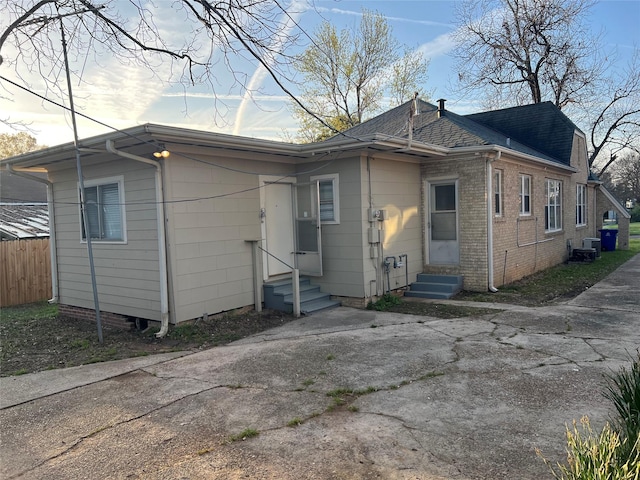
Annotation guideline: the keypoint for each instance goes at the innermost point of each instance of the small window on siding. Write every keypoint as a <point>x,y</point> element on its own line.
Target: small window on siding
<point>329,198</point>
<point>525,195</point>
<point>553,206</point>
<point>104,206</point>
<point>581,205</point>
<point>497,191</point>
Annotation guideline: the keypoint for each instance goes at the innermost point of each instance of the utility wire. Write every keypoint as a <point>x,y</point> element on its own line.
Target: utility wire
<point>155,145</point>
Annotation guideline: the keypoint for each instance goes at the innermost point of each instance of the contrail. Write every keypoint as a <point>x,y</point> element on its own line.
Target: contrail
<point>292,15</point>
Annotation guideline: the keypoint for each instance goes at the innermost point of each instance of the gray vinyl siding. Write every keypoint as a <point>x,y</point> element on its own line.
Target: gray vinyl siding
<point>210,260</point>
<point>342,244</point>
<point>396,188</point>
<point>348,269</point>
<point>127,275</point>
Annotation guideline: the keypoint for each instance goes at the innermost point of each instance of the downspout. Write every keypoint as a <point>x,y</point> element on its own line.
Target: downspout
<point>162,242</point>
<point>490,159</point>
<point>52,230</point>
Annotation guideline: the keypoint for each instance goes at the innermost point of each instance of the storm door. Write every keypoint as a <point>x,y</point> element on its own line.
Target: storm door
<point>442,223</point>
<point>308,243</point>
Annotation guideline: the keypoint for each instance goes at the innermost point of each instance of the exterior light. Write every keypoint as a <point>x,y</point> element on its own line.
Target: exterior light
<point>162,152</point>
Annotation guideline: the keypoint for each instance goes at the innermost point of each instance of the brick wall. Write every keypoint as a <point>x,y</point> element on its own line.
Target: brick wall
<point>520,246</point>
<point>109,319</point>
<point>470,172</point>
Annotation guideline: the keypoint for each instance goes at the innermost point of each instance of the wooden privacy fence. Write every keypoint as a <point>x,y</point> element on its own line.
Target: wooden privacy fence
<point>25,271</point>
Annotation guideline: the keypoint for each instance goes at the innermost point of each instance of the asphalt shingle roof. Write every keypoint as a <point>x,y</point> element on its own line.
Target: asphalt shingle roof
<point>540,130</point>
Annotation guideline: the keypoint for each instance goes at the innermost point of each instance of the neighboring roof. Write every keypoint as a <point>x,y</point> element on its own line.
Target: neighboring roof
<point>18,221</point>
<point>15,189</point>
<point>614,201</point>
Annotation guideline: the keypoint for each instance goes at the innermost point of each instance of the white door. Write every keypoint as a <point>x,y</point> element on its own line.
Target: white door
<point>442,223</point>
<point>308,230</point>
<point>277,216</point>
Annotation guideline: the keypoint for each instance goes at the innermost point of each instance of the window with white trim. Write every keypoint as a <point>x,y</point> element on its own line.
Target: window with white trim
<point>553,206</point>
<point>104,206</point>
<point>329,198</point>
<point>581,205</point>
<point>525,195</point>
<point>497,193</point>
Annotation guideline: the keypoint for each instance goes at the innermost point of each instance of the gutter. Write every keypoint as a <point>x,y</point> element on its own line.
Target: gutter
<point>490,159</point>
<point>162,241</point>
<point>53,257</point>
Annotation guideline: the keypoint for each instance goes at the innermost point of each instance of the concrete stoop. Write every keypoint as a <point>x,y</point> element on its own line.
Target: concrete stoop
<point>278,295</point>
<point>435,286</point>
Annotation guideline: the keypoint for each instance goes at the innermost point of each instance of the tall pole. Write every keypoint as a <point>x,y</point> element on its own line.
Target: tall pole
<point>81,182</point>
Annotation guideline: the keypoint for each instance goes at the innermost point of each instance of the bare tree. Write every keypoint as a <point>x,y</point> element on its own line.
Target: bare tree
<point>515,52</point>
<point>626,177</point>
<point>346,74</point>
<point>143,33</point>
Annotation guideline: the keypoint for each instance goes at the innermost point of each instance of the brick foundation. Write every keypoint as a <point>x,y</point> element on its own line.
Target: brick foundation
<point>108,319</point>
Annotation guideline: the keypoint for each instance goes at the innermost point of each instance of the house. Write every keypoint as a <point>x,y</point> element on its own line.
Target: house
<point>186,223</point>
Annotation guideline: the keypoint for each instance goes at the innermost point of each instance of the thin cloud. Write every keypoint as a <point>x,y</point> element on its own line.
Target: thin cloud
<point>292,16</point>
<point>439,46</point>
<point>353,13</point>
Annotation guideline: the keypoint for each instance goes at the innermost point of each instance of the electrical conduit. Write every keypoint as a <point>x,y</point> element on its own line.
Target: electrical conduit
<point>490,159</point>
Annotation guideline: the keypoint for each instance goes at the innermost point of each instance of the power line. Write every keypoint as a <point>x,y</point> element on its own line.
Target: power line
<point>155,145</point>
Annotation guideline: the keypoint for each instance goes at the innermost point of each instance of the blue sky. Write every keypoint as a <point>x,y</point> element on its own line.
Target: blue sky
<point>124,96</point>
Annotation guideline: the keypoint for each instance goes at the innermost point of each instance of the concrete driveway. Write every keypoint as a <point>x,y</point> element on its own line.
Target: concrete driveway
<point>468,398</point>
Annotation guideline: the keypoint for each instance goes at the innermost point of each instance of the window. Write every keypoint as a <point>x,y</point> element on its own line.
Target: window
<point>553,207</point>
<point>525,195</point>
<point>581,205</point>
<point>104,200</point>
<point>329,198</point>
<point>497,192</point>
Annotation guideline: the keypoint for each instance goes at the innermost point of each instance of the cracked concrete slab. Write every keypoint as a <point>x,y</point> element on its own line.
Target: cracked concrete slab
<point>348,394</point>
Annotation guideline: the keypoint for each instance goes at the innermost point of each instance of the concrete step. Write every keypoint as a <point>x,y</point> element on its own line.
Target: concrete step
<point>435,286</point>
<point>279,296</point>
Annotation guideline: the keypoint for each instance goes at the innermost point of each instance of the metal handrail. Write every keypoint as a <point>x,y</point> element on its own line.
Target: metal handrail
<point>273,256</point>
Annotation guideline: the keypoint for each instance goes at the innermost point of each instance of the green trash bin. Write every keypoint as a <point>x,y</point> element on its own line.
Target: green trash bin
<point>608,237</point>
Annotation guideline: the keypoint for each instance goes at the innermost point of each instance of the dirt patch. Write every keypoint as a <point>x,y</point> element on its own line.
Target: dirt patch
<point>34,338</point>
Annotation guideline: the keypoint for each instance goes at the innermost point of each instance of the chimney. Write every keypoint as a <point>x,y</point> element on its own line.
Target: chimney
<point>441,107</point>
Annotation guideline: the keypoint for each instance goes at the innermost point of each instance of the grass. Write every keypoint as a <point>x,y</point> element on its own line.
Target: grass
<point>295,422</point>
<point>634,228</point>
<point>614,453</point>
<point>35,338</point>
<point>557,283</point>
<point>623,390</point>
<point>243,435</point>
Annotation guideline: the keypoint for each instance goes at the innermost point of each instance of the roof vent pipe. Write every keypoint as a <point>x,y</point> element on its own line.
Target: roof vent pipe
<point>414,106</point>
<point>441,107</point>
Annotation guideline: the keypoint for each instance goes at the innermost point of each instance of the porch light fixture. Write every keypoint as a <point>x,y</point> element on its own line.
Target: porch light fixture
<point>162,152</point>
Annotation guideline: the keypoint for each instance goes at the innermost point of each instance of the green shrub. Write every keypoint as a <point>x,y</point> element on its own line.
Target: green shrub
<point>384,303</point>
<point>623,390</point>
<point>614,454</point>
<point>595,457</point>
<point>635,213</point>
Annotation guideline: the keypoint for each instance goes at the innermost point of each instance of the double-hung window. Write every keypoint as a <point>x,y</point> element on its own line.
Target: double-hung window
<point>525,195</point>
<point>581,205</point>
<point>497,193</point>
<point>329,198</point>
<point>553,206</point>
<point>104,208</point>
